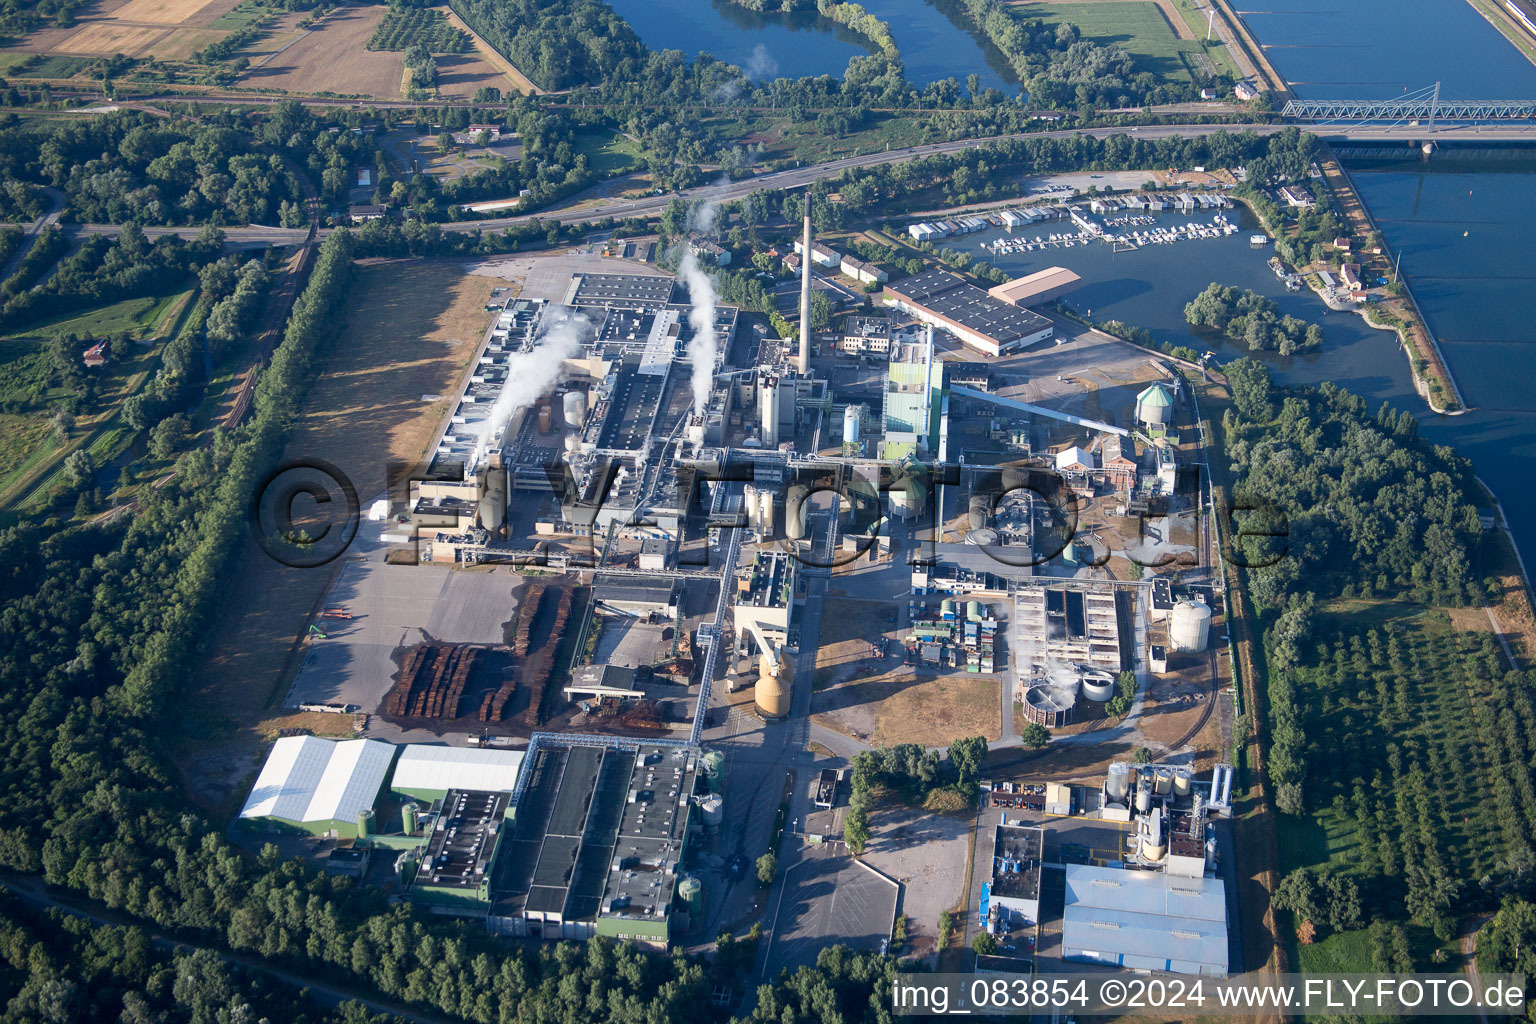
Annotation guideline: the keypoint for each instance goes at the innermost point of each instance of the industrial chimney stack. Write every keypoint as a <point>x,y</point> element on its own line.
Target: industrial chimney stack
<point>803,360</point>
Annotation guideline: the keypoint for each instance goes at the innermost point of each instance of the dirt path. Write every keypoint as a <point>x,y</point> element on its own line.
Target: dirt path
<point>492,56</point>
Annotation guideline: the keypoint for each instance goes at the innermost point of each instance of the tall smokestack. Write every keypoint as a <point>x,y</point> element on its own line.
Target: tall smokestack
<point>803,360</point>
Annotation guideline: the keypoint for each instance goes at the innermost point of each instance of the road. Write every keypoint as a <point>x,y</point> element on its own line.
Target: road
<point>258,236</point>
<point>31,890</point>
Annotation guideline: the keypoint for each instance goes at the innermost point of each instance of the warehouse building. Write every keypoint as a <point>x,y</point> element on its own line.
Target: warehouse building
<point>319,786</point>
<point>1145,920</point>
<point>984,323</point>
<point>427,772</point>
<point>1010,899</point>
<point>595,841</point>
<point>1038,288</point>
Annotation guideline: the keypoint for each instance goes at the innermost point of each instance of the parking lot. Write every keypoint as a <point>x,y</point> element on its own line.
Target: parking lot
<point>831,899</point>
<point>389,607</point>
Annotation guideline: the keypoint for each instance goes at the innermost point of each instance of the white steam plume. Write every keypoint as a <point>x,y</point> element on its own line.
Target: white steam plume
<point>760,64</point>
<point>529,375</point>
<point>704,345</point>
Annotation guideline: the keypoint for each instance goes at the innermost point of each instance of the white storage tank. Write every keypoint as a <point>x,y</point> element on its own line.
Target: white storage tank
<point>1190,628</point>
<point>712,808</point>
<point>853,417</point>
<point>1183,782</point>
<point>1098,686</point>
<point>796,507</point>
<point>575,409</point>
<point>1117,785</point>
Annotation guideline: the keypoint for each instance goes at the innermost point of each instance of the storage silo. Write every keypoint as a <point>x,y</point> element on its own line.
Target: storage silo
<point>714,763</point>
<point>692,892</point>
<point>1154,847</point>
<point>853,418</point>
<point>575,409</point>
<point>1154,406</point>
<point>712,809</point>
<point>1143,795</point>
<point>365,822</point>
<point>980,509</point>
<point>1117,784</point>
<point>1162,781</point>
<point>1190,627</point>
<point>546,418</point>
<point>796,508</point>
<point>408,817</point>
<point>771,693</point>
<point>1183,782</point>
<point>493,501</point>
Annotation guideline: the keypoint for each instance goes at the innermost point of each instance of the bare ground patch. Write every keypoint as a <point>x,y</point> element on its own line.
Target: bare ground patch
<point>332,58</point>
<point>410,330</point>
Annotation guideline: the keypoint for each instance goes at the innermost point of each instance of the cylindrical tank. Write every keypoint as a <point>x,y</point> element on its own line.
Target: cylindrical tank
<point>493,505</point>
<point>1143,796</point>
<point>365,822</point>
<point>795,510</point>
<point>572,443</point>
<point>408,817</point>
<point>712,807</point>
<point>1098,686</point>
<point>714,761</point>
<point>853,417</point>
<point>984,537</point>
<point>1190,628</point>
<point>575,408</point>
<point>908,498</point>
<point>692,892</point>
<point>1117,785</point>
<point>1153,846</point>
<point>973,611</point>
<point>1154,406</point>
<point>980,508</point>
<point>1183,782</point>
<point>771,693</point>
<point>546,419</point>
<point>1162,781</point>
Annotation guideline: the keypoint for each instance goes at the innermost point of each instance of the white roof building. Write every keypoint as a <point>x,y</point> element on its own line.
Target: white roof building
<point>1145,920</point>
<point>429,771</point>
<point>317,784</point>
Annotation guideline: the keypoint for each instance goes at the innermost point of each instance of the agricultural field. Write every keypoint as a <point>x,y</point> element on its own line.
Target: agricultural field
<point>1157,34</point>
<point>411,329</point>
<point>333,57</point>
<point>403,28</point>
<point>163,29</point>
<point>1398,701</point>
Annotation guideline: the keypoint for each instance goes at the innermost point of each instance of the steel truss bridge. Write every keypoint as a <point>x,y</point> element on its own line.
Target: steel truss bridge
<point>1426,106</point>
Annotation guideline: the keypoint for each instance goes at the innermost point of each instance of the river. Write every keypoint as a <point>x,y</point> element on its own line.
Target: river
<point>772,44</point>
<point>1465,237</point>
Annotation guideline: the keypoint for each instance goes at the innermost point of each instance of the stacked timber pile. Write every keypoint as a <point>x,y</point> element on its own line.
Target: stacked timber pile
<point>432,680</point>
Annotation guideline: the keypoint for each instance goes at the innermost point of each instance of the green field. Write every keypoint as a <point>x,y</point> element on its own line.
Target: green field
<point>55,66</point>
<point>244,14</point>
<point>609,153</point>
<point>1139,28</point>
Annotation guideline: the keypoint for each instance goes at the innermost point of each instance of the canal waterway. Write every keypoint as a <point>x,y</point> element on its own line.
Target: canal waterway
<point>771,44</point>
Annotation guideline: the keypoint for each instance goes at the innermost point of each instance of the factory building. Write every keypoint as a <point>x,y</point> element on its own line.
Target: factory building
<point>318,786</point>
<point>1010,898</point>
<point>427,771</point>
<point>986,324</point>
<point>864,335</point>
<point>1145,920</point>
<point>1038,288</point>
<point>1067,623</point>
<point>595,841</point>
<point>766,596</point>
<point>452,872</point>
<point>912,407</point>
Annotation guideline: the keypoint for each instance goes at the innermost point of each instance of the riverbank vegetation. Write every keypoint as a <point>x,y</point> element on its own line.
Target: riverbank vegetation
<point>1248,317</point>
<point>1359,542</point>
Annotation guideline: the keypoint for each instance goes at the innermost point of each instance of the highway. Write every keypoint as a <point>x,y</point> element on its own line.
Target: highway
<point>798,177</point>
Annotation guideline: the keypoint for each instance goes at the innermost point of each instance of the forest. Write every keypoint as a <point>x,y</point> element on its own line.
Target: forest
<point>404,27</point>
<point>1246,316</point>
<point>1358,544</point>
